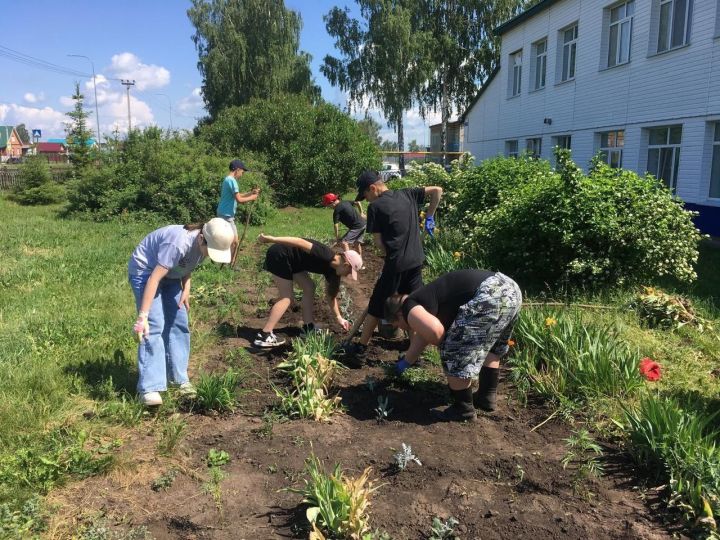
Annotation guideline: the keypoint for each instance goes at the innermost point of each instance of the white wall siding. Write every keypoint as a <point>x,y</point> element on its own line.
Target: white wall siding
<point>680,86</point>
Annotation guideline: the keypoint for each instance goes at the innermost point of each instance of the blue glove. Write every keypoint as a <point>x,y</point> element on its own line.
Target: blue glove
<point>430,226</point>
<point>402,365</point>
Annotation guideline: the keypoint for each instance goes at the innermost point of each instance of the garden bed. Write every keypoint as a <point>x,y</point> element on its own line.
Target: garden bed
<point>500,478</point>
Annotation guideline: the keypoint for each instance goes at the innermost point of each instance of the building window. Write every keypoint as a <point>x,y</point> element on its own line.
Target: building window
<point>516,73</point>
<point>511,148</point>
<point>715,172</point>
<point>674,27</point>
<point>620,33</point>
<point>563,141</point>
<point>534,147</point>
<point>569,52</point>
<point>540,64</point>
<point>611,147</point>
<point>664,154</point>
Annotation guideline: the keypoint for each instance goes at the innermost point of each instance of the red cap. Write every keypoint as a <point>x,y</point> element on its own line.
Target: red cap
<point>328,199</point>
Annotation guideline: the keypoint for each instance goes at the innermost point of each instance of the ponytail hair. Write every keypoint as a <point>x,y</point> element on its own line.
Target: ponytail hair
<point>193,226</point>
<point>393,307</point>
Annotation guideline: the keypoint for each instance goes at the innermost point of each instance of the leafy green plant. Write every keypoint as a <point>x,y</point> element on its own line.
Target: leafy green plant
<point>404,457</point>
<point>217,458</point>
<point>667,311</point>
<point>337,504</point>
<point>171,434</point>
<point>321,343</point>
<point>383,409</point>
<point>583,452</point>
<point>443,530</point>
<point>371,383</point>
<point>24,522</point>
<point>679,446</point>
<point>164,481</point>
<point>217,392</point>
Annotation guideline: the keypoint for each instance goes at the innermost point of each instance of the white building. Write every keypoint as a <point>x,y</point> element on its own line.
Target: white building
<point>638,80</point>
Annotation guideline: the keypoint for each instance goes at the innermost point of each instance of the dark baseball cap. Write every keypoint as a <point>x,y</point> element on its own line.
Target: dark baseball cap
<point>236,164</point>
<point>364,181</point>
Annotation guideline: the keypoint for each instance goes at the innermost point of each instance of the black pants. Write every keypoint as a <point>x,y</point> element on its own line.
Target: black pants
<point>390,283</point>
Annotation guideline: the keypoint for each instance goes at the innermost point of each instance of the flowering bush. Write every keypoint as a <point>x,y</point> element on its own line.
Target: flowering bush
<point>564,227</point>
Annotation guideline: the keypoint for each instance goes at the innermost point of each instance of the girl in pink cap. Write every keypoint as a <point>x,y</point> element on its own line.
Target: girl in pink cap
<point>289,260</point>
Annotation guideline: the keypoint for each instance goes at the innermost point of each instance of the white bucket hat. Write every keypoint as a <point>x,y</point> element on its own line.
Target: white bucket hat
<point>219,236</point>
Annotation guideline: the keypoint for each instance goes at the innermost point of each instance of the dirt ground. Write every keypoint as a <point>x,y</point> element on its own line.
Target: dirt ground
<point>498,477</point>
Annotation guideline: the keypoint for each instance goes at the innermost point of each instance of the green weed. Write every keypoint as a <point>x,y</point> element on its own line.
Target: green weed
<point>583,452</point>
<point>164,481</point>
<point>443,530</point>
<point>24,522</point>
<point>311,378</point>
<point>172,432</point>
<point>217,392</point>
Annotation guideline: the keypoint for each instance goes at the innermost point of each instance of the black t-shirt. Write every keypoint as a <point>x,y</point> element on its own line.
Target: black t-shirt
<point>444,296</point>
<point>317,261</point>
<point>348,215</point>
<point>395,216</point>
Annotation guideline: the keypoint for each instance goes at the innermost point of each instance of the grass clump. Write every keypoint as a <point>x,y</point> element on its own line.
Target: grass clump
<point>566,360</point>
<point>217,392</point>
<point>679,447</point>
<point>337,504</point>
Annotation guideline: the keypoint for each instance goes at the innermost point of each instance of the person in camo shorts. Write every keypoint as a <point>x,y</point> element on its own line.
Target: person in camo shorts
<point>469,315</point>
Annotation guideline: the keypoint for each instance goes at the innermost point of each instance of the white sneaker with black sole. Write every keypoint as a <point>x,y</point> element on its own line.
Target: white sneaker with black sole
<point>268,340</point>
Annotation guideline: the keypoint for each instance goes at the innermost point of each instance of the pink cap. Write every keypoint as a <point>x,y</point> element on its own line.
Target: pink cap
<point>355,260</point>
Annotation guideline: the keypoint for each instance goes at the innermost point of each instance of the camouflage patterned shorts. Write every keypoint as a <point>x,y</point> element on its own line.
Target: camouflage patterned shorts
<point>483,325</point>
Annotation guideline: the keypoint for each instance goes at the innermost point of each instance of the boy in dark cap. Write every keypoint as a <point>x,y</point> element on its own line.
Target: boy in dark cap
<point>392,218</point>
<point>230,196</point>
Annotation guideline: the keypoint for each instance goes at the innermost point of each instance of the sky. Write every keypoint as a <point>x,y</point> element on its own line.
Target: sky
<point>148,41</point>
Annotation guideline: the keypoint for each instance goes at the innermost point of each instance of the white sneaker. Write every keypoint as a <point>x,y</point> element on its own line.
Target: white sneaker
<point>151,399</point>
<point>188,390</point>
<point>268,340</point>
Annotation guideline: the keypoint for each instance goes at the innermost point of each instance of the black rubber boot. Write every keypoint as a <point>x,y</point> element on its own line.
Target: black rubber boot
<point>486,396</point>
<point>354,355</point>
<point>461,410</point>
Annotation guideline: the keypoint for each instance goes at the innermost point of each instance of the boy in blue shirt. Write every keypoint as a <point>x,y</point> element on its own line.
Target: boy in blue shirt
<point>230,196</point>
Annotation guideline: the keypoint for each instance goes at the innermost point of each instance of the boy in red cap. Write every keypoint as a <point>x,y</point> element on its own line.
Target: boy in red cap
<point>351,215</point>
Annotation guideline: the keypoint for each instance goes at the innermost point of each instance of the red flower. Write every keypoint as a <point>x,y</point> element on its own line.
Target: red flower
<point>650,369</point>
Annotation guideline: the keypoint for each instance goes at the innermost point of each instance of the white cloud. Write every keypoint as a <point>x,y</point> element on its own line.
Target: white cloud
<point>193,104</point>
<point>146,76</point>
<point>50,121</point>
<point>30,97</point>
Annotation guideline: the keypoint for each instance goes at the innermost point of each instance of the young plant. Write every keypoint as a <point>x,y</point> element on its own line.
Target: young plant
<point>217,392</point>
<point>443,530</point>
<point>215,460</point>
<point>311,377</point>
<point>172,433</point>
<point>383,409</point>
<point>583,451</point>
<point>320,343</point>
<point>371,383</point>
<point>164,481</point>
<point>404,457</point>
<point>337,504</point>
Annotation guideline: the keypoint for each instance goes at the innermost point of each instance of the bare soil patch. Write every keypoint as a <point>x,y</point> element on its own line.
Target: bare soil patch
<point>497,477</point>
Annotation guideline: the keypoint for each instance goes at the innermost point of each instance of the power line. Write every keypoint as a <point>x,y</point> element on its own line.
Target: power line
<point>39,63</point>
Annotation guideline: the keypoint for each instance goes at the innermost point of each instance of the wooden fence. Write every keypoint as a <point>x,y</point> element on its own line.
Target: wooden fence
<point>10,177</point>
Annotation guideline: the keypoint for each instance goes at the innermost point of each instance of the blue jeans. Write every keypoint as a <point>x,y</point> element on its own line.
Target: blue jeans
<point>163,355</point>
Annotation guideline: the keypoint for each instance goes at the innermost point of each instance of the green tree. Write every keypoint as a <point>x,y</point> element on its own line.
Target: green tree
<point>77,133</point>
<point>36,185</point>
<point>414,146</point>
<point>463,50</point>
<point>389,146</point>
<point>383,58</point>
<point>23,133</point>
<point>371,128</point>
<point>310,149</point>
<point>249,48</point>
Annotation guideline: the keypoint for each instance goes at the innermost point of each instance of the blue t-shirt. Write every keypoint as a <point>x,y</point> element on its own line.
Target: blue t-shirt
<point>172,247</point>
<point>227,205</point>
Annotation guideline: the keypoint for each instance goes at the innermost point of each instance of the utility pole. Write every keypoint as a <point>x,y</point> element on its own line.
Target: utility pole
<point>170,104</point>
<point>128,83</point>
<point>97,115</point>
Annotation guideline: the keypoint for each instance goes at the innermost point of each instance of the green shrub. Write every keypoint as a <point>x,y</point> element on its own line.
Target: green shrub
<point>172,176</point>
<point>217,392</point>
<point>679,447</point>
<point>609,227</point>
<point>309,149</point>
<point>36,185</point>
